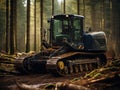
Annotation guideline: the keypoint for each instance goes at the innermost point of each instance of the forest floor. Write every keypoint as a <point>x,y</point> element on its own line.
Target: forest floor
<point>8,82</point>
<point>104,78</point>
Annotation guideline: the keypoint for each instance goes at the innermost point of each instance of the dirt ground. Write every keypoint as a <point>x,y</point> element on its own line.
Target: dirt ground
<point>10,81</point>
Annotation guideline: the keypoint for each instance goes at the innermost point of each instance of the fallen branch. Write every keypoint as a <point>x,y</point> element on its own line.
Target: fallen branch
<point>67,86</point>
<point>22,86</point>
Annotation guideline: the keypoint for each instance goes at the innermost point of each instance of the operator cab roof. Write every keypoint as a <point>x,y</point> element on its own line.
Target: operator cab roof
<point>64,16</point>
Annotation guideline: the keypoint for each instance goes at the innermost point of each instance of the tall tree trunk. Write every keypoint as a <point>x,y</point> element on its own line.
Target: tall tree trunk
<point>64,11</point>
<point>107,21</point>
<point>93,15</point>
<point>78,7</point>
<point>28,27</point>
<point>102,15</point>
<point>13,24</point>
<point>7,26</point>
<point>107,17</point>
<point>111,23</point>
<point>35,25</point>
<point>116,25</point>
<point>41,15</point>
<point>84,3</point>
<point>52,7</point>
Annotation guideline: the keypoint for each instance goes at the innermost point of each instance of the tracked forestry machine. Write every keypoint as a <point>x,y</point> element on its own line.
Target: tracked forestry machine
<point>69,50</point>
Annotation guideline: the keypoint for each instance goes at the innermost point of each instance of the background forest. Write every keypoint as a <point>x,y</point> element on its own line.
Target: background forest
<point>23,22</point>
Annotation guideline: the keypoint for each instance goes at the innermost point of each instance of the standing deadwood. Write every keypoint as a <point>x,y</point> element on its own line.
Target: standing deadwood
<point>7,26</point>
<point>13,24</point>
<point>28,27</point>
<point>34,25</point>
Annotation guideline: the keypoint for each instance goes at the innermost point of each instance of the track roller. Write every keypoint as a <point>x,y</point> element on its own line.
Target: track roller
<point>76,69</point>
<point>90,66</point>
<point>70,69</point>
<point>74,66</point>
<point>66,71</point>
<point>81,68</point>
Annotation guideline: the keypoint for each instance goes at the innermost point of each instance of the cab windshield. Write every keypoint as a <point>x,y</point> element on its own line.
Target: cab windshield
<point>67,28</point>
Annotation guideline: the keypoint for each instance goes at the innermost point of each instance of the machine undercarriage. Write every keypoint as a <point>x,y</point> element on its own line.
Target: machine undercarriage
<point>62,61</point>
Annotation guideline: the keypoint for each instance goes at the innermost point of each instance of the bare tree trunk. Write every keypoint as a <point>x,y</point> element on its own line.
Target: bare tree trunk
<point>107,28</point>
<point>15,26</point>
<point>110,2</point>
<point>107,17</point>
<point>78,7</point>
<point>35,25</point>
<point>116,25</point>
<point>102,15</point>
<point>84,3</point>
<point>28,27</point>
<point>52,7</point>
<point>13,16</point>
<point>64,11</point>
<point>41,15</point>
<point>7,26</point>
<point>93,16</point>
